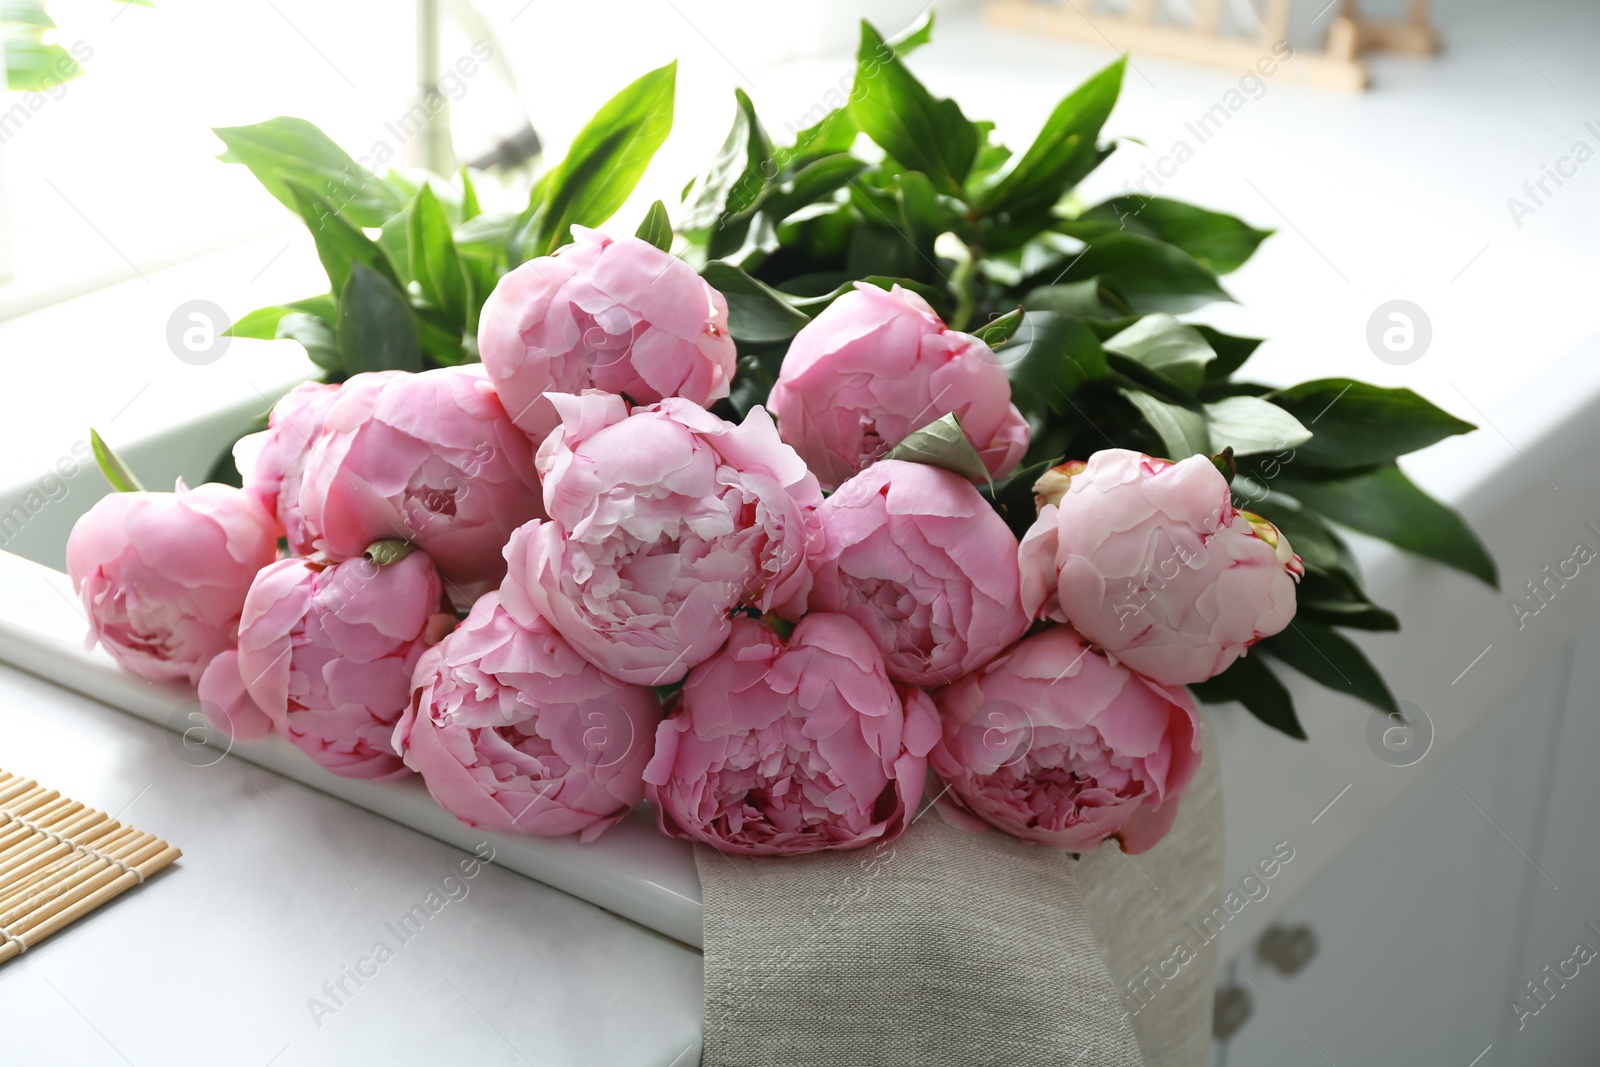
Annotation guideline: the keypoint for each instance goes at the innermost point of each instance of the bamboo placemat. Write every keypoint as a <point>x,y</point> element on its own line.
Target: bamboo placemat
<point>59,860</point>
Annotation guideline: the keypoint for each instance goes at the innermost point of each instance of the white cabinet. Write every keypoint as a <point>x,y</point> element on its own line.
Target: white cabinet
<point>1429,926</point>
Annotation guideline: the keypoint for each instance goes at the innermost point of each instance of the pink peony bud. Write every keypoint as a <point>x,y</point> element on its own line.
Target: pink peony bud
<point>661,522</point>
<point>618,315</point>
<point>429,458</point>
<point>919,559</point>
<point>327,651</point>
<point>276,458</point>
<point>875,366</point>
<point>513,730</point>
<point>163,576</point>
<point>782,748</point>
<point>1150,561</point>
<point>1055,743</point>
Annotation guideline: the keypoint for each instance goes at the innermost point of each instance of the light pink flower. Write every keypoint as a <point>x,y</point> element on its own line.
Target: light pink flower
<point>513,730</point>
<point>875,366</point>
<point>1151,562</point>
<point>923,563</point>
<point>429,458</point>
<point>661,522</point>
<point>327,651</point>
<point>615,314</point>
<point>272,462</point>
<point>227,703</point>
<point>163,576</point>
<point>782,748</point>
<point>1054,743</point>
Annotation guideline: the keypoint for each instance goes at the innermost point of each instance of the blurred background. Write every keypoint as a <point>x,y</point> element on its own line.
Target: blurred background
<point>1460,181</point>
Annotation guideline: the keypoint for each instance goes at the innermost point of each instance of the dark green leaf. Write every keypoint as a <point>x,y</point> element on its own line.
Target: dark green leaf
<point>1354,614</point>
<point>942,444</point>
<point>1250,425</point>
<point>756,312</point>
<point>1359,425</point>
<point>1182,430</point>
<point>738,174</point>
<point>1150,275</point>
<point>831,134</point>
<point>111,465</point>
<point>1085,299</point>
<point>339,244</point>
<point>291,148</point>
<point>376,330</point>
<point>656,228</point>
<point>1324,656</point>
<point>1252,684</point>
<point>1231,352</point>
<point>434,262</point>
<point>1385,504</point>
<point>1050,358</point>
<point>920,132</point>
<point>315,335</point>
<point>1173,349</point>
<point>1062,154</point>
<point>1220,242</point>
<point>1000,329</point>
<point>817,180</point>
<point>606,160</point>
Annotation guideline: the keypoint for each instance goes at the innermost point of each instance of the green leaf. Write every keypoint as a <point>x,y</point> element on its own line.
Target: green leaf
<point>25,12</point>
<point>1327,657</point>
<point>1252,683</point>
<point>111,465</point>
<point>31,66</point>
<point>339,244</point>
<point>1355,614</point>
<point>470,208</point>
<point>1050,358</point>
<point>606,160</point>
<point>262,323</point>
<point>1000,329</point>
<point>1085,299</point>
<point>1231,352</point>
<point>920,132</point>
<point>1220,242</point>
<point>1150,275</point>
<point>832,134</point>
<point>1250,425</point>
<point>1386,504</point>
<point>315,335</point>
<point>1173,349</point>
<point>1062,154</point>
<point>1182,431</point>
<point>914,36</point>
<point>756,312</point>
<point>943,444</point>
<point>376,330</point>
<point>435,264</point>
<point>1359,425</point>
<point>290,148</point>
<point>817,180</point>
<point>656,229</point>
<point>736,176</point>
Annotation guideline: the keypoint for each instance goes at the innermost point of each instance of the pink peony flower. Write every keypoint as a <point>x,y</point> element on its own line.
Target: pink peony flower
<point>661,522</point>
<point>513,730</point>
<point>429,458</point>
<point>1055,743</point>
<point>782,748</point>
<point>276,458</point>
<point>327,651</point>
<point>163,576</point>
<point>875,366</point>
<point>919,559</point>
<point>618,315</point>
<point>227,703</point>
<point>1150,561</point>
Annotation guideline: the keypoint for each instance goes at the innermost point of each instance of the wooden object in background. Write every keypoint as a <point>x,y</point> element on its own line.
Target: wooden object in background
<point>60,860</point>
<point>1338,66</point>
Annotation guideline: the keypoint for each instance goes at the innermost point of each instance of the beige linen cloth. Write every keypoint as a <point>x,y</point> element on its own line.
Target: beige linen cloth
<point>951,948</point>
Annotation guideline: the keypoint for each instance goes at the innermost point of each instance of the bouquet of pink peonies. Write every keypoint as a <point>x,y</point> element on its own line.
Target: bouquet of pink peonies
<point>891,464</point>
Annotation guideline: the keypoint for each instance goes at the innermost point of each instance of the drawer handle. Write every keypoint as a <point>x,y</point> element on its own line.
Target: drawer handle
<point>1231,1010</point>
<point>1287,949</point>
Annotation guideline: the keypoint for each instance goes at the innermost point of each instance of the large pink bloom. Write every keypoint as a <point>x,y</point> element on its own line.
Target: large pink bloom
<point>429,458</point>
<point>661,522</point>
<point>873,367</point>
<point>513,730</point>
<point>1151,562</point>
<point>618,315</point>
<point>1054,743</point>
<point>163,576</point>
<point>782,748</point>
<point>917,556</point>
<point>327,651</point>
<point>276,457</point>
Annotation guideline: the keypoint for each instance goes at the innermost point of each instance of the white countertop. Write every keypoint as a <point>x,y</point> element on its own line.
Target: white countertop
<point>1396,193</point>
